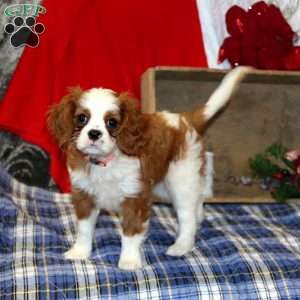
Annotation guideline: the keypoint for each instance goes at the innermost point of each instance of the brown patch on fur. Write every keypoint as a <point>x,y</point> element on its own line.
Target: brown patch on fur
<point>60,117</point>
<point>83,203</point>
<point>161,147</point>
<point>135,212</point>
<point>131,130</point>
<point>75,159</point>
<point>196,120</point>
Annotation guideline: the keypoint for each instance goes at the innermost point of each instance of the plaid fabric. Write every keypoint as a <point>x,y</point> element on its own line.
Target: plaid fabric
<point>242,252</point>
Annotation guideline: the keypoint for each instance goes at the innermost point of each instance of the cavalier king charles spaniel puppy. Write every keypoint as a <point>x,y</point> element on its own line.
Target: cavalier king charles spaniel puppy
<point>118,157</point>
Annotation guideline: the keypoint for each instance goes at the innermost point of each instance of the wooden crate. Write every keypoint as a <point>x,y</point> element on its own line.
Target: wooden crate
<point>265,109</point>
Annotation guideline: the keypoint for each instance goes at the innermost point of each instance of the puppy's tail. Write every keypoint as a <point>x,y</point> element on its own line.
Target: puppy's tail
<point>219,98</point>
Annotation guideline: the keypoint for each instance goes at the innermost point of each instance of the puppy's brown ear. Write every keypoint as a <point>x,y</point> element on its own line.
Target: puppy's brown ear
<point>129,138</point>
<point>60,117</point>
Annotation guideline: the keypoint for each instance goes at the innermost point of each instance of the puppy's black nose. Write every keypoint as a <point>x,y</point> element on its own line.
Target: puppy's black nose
<point>94,134</point>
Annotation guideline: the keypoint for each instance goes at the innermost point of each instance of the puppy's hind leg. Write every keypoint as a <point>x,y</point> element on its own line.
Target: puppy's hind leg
<point>187,201</point>
<point>186,205</point>
<point>207,180</point>
<point>184,184</point>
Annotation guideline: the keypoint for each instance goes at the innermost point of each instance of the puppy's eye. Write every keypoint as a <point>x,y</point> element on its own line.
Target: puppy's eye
<point>82,119</point>
<point>112,123</point>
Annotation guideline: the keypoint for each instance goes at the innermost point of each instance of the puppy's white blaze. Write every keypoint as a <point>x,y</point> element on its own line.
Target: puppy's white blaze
<point>100,93</point>
<point>99,101</point>
<point>225,90</point>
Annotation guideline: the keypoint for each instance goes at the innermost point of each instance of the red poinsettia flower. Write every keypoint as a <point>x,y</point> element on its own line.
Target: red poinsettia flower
<point>279,26</point>
<point>232,51</point>
<point>259,37</point>
<point>292,60</point>
<point>236,20</point>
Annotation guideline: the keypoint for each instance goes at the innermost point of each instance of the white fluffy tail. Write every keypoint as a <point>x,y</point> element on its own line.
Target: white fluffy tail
<point>225,90</point>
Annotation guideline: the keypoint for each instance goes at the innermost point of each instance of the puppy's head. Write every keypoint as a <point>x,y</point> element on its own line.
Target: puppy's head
<point>97,122</point>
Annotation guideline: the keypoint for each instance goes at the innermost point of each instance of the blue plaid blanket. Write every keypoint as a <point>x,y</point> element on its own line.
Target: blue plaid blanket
<point>242,252</point>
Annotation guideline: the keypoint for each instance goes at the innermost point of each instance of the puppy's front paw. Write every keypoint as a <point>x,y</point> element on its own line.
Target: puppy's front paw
<point>180,248</point>
<point>78,252</point>
<point>130,263</point>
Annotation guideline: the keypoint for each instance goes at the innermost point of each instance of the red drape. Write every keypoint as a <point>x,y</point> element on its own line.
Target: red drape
<point>96,43</point>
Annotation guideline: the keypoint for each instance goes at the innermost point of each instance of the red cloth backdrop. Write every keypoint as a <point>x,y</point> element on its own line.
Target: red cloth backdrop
<point>96,43</point>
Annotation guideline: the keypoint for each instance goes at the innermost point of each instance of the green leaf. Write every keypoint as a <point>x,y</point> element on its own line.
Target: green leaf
<point>288,163</point>
<point>262,166</point>
<point>287,190</point>
<point>277,151</point>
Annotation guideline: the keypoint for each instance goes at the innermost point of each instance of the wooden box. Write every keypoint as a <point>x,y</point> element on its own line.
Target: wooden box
<point>265,109</point>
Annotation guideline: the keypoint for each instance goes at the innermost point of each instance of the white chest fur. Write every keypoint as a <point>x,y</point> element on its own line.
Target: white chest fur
<point>110,184</point>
